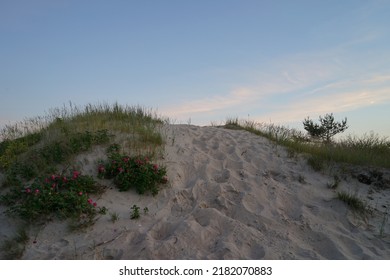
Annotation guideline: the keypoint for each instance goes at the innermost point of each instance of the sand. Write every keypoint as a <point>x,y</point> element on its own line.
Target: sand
<point>231,195</point>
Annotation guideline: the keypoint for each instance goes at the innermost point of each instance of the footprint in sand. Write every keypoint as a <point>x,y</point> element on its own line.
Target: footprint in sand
<point>222,176</point>
<point>182,203</point>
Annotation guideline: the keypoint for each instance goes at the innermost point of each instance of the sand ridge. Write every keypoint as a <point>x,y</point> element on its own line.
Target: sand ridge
<point>231,195</point>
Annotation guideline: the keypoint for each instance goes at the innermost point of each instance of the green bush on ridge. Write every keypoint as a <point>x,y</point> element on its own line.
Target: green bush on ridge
<point>326,129</point>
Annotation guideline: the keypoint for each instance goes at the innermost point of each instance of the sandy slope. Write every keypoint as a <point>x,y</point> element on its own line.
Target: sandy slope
<point>232,195</point>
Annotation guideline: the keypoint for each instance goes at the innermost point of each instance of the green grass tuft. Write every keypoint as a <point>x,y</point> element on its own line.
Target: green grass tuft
<point>13,248</point>
<point>353,202</point>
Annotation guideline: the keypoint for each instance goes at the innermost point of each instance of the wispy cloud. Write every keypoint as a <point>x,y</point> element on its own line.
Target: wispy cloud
<point>285,99</point>
<point>282,81</point>
<point>238,97</point>
<point>270,84</point>
<point>334,97</point>
<point>335,103</point>
<point>338,79</point>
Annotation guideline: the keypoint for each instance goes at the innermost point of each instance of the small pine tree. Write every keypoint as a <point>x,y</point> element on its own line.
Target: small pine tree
<point>326,129</point>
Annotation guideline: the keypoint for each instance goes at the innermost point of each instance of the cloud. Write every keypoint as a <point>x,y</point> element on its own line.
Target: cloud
<point>378,79</point>
<point>283,101</point>
<point>292,80</point>
<point>238,97</point>
<point>289,88</point>
<point>269,84</point>
<point>329,102</point>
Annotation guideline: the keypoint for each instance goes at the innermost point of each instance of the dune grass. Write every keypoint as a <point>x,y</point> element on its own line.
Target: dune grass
<point>37,157</point>
<point>36,146</point>
<point>368,150</point>
<point>354,202</point>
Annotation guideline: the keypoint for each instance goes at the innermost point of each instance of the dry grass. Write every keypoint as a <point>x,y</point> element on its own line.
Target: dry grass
<point>367,150</point>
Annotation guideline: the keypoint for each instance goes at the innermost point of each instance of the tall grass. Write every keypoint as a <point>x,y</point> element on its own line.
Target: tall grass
<point>367,150</point>
<point>36,146</point>
<point>91,117</point>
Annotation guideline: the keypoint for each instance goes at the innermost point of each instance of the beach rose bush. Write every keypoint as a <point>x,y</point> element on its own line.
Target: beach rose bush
<point>55,195</point>
<point>133,172</point>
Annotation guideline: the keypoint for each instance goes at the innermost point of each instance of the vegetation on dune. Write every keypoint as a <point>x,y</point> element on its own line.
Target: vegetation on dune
<point>59,195</point>
<point>132,172</point>
<point>327,128</point>
<point>37,157</point>
<point>354,202</point>
<point>41,179</point>
<point>369,150</point>
<point>13,248</point>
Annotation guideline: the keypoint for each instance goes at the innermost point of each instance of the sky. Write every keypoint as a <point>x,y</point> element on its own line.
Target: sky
<point>200,61</point>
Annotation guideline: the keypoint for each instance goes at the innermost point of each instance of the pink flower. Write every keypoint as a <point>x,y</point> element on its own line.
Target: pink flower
<point>101,169</point>
<point>64,179</point>
<point>53,177</point>
<point>28,190</point>
<point>120,169</point>
<point>91,202</point>
<point>80,193</point>
<point>36,191</point>
<point>126,159</point>
<point>75,174</point>
<point>155,167</point>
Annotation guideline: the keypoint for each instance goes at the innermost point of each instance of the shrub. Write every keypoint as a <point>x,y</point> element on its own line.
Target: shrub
<point>133,172</point>
<point>36,161</point>
<point>62,196</point>
<point>134,212</point>
<point>327,129</point>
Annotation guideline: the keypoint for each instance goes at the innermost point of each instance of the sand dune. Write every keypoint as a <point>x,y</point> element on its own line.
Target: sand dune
<point>231,195</point>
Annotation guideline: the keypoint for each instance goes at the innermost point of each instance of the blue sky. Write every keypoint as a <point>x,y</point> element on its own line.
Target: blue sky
<point>266,60</point>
